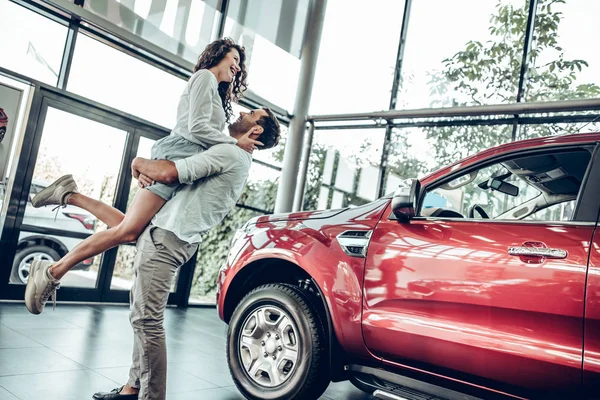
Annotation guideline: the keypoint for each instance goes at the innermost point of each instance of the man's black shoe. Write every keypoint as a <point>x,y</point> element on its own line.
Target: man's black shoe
<point>115,394</point>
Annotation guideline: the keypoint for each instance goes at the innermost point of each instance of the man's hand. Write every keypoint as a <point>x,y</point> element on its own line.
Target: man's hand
<point>134,171</point>
<point>144,181</point>
<point>148,172</point>
<point>248,144</point>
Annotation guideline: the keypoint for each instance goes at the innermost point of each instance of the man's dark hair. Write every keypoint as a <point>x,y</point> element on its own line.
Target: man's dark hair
<point>271,131</point>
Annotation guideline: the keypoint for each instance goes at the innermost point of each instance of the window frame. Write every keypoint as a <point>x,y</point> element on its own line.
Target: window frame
<point>586,207</point>
<point>552,205</point>
<point>503,212</point>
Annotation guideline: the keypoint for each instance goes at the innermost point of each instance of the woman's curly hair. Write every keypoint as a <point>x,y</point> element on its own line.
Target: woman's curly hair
<point>228,91</point>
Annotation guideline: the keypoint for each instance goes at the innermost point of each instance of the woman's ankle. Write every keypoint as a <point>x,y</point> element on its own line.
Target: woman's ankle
<point>71,199</point>
<point>53,272</point>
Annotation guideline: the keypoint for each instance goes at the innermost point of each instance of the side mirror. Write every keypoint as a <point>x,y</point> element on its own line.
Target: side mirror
<point>404,201</point>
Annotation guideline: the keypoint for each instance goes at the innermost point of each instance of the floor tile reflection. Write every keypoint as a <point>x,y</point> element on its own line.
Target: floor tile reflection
<point>78,350</point>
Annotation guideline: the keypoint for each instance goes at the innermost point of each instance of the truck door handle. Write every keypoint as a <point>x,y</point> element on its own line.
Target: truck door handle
<point>556,254</point>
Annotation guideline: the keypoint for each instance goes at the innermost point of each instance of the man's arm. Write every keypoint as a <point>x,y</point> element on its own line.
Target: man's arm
<point>163,171</point>
<point>215,160</point>
<point>218,159</point>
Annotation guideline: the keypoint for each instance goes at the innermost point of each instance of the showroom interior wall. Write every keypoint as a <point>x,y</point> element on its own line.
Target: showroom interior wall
<point>101,89</point>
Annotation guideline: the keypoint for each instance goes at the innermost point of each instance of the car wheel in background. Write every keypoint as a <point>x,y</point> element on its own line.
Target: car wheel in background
<point>24,258</point>
<point>2,133</point>
<point>276,345</point>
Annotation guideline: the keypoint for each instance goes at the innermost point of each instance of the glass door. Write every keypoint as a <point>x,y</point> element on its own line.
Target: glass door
<point>123,272</point>
<point>93,153</point>
<point>96,145</point>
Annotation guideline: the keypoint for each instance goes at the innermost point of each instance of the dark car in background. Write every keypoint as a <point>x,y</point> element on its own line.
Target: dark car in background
<point>35,245</point>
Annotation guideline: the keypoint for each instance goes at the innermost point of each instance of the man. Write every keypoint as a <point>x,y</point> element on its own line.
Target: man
<point>213,182</point>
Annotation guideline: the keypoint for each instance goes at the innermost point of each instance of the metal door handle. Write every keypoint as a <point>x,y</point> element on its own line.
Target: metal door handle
<point>557,254</point>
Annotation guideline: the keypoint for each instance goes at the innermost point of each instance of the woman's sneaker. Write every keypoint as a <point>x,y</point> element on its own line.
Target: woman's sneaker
<point>57,194</point>
<point>40,286</point>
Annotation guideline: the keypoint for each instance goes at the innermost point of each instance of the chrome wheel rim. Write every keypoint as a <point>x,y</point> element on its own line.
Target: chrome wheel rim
<point>268,346</point>
<point>25,264</point>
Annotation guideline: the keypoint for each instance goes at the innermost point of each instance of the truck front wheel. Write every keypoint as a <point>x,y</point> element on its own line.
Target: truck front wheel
<point>276,345</point>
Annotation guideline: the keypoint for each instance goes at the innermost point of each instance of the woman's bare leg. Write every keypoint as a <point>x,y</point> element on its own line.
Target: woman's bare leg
<point>105,213</point>
<point>144,206</point>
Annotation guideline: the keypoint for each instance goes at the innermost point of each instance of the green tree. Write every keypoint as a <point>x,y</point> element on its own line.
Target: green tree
<point>314,177</point>
<point>488,73</point>
<point>402,160</point>
<point>212,253</point>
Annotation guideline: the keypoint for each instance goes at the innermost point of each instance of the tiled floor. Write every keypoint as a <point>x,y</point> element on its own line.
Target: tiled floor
<point>77,350</point>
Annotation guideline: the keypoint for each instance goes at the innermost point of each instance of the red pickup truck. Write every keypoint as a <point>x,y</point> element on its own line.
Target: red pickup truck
<point>481,280</point>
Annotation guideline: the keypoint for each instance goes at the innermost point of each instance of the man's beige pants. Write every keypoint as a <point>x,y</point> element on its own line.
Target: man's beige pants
<point>159,254</point>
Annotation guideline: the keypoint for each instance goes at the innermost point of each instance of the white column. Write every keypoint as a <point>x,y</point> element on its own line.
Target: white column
<point>293,146</point>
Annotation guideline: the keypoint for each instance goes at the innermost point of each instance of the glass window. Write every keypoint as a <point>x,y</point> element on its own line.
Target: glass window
<point>212,254</point>
<point>528,187</point>
<point>116,79</point>
<point>472,58</point>
<point>123,273</point>
<point>411,155</point>
<point>343,168</point>
<point>539,130</point>
<point>272,72</point>
<point>562,65</point>
<point>183,28</point>
<point>261,188</point>
<point>92,152</point>
<point>495,189</point>
<point>32,45</point>
<point>278,21</point>
<point>557,212</point>
<point>14,97</point>
<point>357,56</point>
<point>436,147</point>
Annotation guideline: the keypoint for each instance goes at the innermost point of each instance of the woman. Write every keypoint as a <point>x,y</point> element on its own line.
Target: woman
<point>204,108</point>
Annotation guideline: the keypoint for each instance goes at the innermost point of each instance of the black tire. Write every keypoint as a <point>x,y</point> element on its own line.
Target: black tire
<point>26,252</point>
<point>310,376</point>
<point>2,133</point>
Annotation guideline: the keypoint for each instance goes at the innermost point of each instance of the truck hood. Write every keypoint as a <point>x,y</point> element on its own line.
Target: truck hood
<point>355,213</point>
<point>302,215</point>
